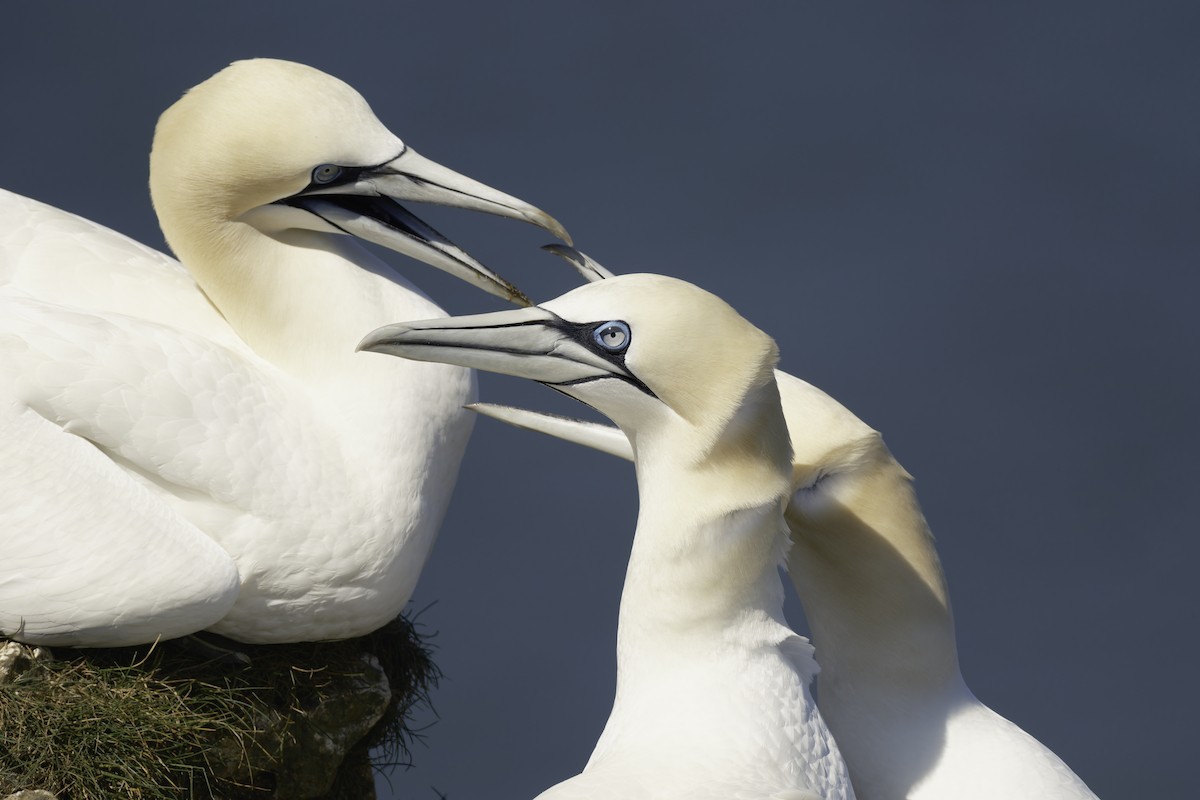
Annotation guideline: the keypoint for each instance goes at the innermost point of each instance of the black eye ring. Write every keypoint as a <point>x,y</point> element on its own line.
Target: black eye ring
<point>612,336</point>
<point>326,173</point>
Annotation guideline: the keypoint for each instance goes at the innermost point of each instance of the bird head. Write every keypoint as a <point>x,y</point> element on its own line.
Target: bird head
<point>660,357</point>
<point>282,146</point>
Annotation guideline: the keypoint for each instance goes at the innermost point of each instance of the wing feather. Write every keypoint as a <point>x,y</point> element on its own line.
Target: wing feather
<point>92,557</point>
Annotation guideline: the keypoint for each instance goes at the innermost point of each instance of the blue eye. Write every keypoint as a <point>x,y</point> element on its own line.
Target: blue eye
<point>326,173</point>
<point>612,336</point>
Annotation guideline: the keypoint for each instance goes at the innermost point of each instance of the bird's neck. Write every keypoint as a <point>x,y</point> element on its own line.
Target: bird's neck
<point>873,590</point>
<point>692,580</point>
<point>709,540</point>
<point>301,299</point>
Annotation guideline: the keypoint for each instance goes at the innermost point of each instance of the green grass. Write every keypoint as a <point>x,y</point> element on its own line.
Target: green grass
<point>161,722</point>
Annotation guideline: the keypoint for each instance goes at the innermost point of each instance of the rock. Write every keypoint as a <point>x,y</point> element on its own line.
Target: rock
<point>298,722</point>
<point>16,658</point>
<point>304,747</point>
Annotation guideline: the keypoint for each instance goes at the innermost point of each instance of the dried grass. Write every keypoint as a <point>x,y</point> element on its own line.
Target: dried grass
<point>150,723</point>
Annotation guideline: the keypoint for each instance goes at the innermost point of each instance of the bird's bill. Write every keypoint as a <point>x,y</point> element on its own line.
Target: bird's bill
<point>383,221</point>
<point>411,176</point>
<point>605,438</point>
<point>528,343</point>
<point>366,205</point>
<point>588,269</point>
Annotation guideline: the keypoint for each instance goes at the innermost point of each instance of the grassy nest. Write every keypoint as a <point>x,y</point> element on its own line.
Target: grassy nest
<point>167,721</point>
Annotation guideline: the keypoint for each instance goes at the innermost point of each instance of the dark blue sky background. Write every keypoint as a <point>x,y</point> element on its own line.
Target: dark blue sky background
<point>975,225</point>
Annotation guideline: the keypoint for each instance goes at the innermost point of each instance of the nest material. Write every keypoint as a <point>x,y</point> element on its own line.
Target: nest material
<point>311,720</point>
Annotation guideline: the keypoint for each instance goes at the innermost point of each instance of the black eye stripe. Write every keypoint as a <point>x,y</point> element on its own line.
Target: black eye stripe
<point>348,175</point>
<point>584,334</point>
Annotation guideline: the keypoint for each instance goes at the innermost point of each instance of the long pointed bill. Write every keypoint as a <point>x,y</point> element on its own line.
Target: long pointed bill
<point>363,203</point>
<point>590,270</point>
<point>527,343</point>
<point>411,176</point>
<point>384,222</point>
<point>605,438</point>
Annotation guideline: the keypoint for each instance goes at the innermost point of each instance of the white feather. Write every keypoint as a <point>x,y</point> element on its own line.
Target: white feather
<point>201,447</point>
<point>713,693</point>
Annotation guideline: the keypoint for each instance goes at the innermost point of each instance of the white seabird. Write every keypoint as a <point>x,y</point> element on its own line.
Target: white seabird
<point>864,565</point>
<point>200,446</point>
<point>712,696</point>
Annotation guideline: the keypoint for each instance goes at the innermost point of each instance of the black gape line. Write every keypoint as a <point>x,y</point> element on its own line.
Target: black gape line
<point>381,209</point>
<point>584,334</point>
<point>342,175</point>
<point>581,333</point>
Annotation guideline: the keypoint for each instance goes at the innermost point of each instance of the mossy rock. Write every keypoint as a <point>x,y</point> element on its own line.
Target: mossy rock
<point>300,721</point>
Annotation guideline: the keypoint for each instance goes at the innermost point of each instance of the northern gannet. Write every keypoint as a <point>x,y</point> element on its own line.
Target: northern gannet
<point>199,446</point>
<point>712,697</point>
<point>865,567</point>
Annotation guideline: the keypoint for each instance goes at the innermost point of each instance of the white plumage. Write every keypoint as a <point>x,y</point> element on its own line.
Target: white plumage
<point>864,564</point>
<point>712,696</point>
<point>200,447</point>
